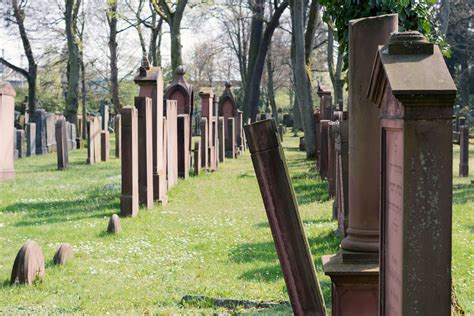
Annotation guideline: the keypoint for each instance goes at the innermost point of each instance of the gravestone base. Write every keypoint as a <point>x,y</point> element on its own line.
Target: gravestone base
<point>354,286</point>
<point>348,256</point>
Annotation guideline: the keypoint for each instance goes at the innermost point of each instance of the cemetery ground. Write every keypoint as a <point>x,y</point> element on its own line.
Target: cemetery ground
<point>212,238</point>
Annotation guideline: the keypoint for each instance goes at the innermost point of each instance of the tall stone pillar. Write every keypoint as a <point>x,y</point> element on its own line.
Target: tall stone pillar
<point>362,241</point>
<point>464,151</point>
<point>61,144</point>
<point>7,131</point>
<point>118,135</point>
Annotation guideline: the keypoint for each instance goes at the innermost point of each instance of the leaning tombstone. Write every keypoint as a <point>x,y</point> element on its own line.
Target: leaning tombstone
<point>285,223</point>
<point>30,139</point>
<point>464,151</point>
<point>145,151</point>
<point>61,144</point>
<point>28,265</point>
<point>114,226</point>
<point>129,196</point>
<point>7,112</point>
<point>413,88</point>
<point>64,253</point>
<point>197,157</point>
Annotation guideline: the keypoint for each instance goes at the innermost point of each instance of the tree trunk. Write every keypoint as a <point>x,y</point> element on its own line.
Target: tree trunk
<point>114,83</point>
<point>464,81</point>
<point>73,68</point>
<point>303,94</point>
<point>270,86</point>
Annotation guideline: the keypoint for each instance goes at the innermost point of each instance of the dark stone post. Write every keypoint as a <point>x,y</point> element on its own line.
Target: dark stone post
<point>283,215</point>
<point>317,134</point>
<point>230,138</point>
<point>118,135</point>
<point>204,143</point>
<point>221,137</point>
<point>30,139</point>
<point>331,159</point>
<point>145,151</point>
<point>129,197</point>
<point>183,146</point>
<point>20,141</point>
<point>104,145</point>
<point>323,155</point>
<point>464,152</point>
<point>61,144</point>
<point>197,157</point>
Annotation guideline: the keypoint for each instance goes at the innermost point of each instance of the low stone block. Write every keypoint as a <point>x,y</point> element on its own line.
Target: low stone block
<point>114,226</point>
<point>28,265</point>
<point>64,253</point>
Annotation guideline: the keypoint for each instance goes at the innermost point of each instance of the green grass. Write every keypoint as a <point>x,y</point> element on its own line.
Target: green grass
<point>212,239</point>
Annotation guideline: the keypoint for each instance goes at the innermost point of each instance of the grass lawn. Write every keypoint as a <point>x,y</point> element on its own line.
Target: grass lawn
<point>212,239</point>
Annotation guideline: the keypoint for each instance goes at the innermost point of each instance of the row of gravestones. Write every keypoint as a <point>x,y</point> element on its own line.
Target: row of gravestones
<point>154,137</point>
<point>394,153</point>
<point>39,137</point>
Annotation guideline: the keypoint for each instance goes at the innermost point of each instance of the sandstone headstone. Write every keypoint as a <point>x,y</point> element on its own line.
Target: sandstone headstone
<point>317,136</point>
<point>28,265</point>
<point>204,143</point>
<point>118,136</point>
<point>129,197</point>
<point>415,92</point>
<point>20,143</point>
<point>145,151</point>
<point>331,159</point>
<point>197,157</point>
<point>64,253</point>
<point>104,115</point>
<point>40,120</point>
<point>184,155</point>
<point>7,112</point>
<point>221,138</point>
<point>61,144</point>
<point>464,151</point>
<point>104,145</point>
<point>324,148</point>
<point>50,120</point>
<point>230,146</point>
<point>172,142</point>
<point>114,226</point>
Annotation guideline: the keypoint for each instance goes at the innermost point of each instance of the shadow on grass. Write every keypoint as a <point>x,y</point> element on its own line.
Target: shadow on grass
<point>305,222</point>
<point>91,205</point>
<point>463,193</point>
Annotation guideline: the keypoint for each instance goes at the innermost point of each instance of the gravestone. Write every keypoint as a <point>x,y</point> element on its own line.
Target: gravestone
<point>342,175</point>
<point>145,151</point>
<point>104,115</point>
<point>197,157</point>
<point>93,140</point>
<point>118,135</point>
<point>207,111</point>
<point>354,272</point>
<point>50,125</point>
<point>80,132</point>
<point>104,145</point>
<point>325,102</point>
<point>317,136</point>
<point>413,88</point>
<point>172,142</point>
<point>64,253</point>
<point>28,265</point>
<point>331,159</point>
<point>221,138</point>
<point>71,136</point>
<point>20,143</point>
<point>184,155</point>
<point>464,151</point>
<point>40,120</point>
<point>129,166</point>
<point>15,145</point>
<point>7,113</point>
<point>230,145</point>
<point>285,223</point>
<point>182,92</point>
<point>61,144</point>
<point>114,226</point>
<point>150,81</point>
<point>239,124</point>
<point>30,139</point>
<point>324,148</point>
<point>280,132</point>
<point>204,143</point>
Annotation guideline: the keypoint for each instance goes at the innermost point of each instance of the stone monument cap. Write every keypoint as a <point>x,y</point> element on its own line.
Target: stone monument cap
<point>259,144</point>
<point>409,43</point>
<point>146,73</point>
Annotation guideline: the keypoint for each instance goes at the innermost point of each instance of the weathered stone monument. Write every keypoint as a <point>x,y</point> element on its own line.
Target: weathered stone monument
<point>129,197</point>
<point>40,120</point>
<point>114,226</point>
<point>324,148</point>
<point>7,112</point>
<point>331,172</point>
<point>28,265</point>
<point>61,144</point>
<point>172,142</point>
<point>464,151</point>
<point>282,211</point>
<point>64,253</point>
<point>30,139</point>
<point>325,102</point>
<point>342,174</point>
<point>228,109</point>
<point>221,138</point>
<point>354,272</point>
<point>184,155</point>
<point>50,121</point>
<point>230,146</point>
<point>104,115</point>
<point>145,151</point>
<point>93,140</point>
<point>317,132</point>
<point>197,157</point>
<point>207,112</point>
<point>150,81</point>
<point>20,143</point>
<point>204,143</point>
<point>412,86</point>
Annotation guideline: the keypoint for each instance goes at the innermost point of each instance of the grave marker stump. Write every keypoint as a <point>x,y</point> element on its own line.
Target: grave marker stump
<point>129,196</point>
<point>145,151</point>
<point>414,90</point>
<point>7,116</point>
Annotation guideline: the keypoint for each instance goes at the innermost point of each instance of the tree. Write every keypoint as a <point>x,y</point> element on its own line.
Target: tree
<point>173,18</point>
<point>18,7</point>
<point>112,21</point>
<point>73,64</point>
<point>260,39</point>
